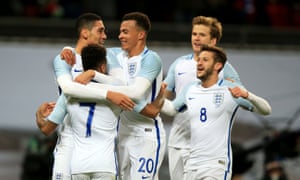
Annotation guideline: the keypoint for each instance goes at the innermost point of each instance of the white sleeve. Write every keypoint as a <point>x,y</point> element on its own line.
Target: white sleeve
<point>134,91</point>
<point>115,77</point>
<point>168,108</point>
<point>260,105</point>
<point>99,91</point>
<point>69,48</point>
<point>78,90</point>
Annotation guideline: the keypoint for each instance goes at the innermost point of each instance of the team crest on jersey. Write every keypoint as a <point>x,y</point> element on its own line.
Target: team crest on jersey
<point>218,99</point>
<point>132,68</point>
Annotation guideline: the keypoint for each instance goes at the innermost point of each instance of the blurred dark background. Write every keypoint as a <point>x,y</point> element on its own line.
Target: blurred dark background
<point>275,13</point>
<point>245,22</point>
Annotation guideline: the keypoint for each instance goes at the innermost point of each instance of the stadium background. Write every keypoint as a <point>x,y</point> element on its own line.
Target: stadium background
<point>260,36</point>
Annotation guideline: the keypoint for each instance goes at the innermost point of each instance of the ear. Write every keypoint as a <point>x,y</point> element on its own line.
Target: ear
<point>141,35</point>
<point>213,41</point>
<point>218,66</point>
<point>102,68</point>
<point>84,33</point>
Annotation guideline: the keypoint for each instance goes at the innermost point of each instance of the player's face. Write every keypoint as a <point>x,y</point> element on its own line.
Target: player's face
<point>97,34</point>
<point>201,35</point>
<point>205,65</point>
<point>129,35</point>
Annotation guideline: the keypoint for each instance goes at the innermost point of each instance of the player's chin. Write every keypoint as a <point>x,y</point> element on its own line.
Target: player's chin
<point>200,73</point>
<point>197,47</point>
<point>124,46</point>
<point>101,43</point>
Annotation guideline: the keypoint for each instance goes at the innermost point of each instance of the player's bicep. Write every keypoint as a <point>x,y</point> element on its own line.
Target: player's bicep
<point>150,68</point>
<point>59,112</point>
<point>61,67</point>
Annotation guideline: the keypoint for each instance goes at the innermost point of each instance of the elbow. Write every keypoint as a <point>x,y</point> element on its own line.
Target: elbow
<point>46,131</point>
<point>266,111</point>
<point>67,90</point>
<point>136,95</point>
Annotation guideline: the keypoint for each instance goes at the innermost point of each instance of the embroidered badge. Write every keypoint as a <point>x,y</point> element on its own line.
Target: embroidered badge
<point>132,68</point>
<point>218,99</point>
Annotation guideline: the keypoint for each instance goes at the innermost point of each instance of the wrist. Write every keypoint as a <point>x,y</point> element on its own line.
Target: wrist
<point>92,73</point>
<point>247,95</point>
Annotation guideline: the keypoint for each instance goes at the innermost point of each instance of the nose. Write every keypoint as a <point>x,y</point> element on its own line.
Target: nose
<point>200,62</point>
<point>104,36</point>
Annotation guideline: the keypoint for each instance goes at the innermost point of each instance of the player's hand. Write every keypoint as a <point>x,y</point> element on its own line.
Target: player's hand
<point>85,77</point>
<point>238,92</point>
<point>153,109</point>
<point>121,100</point>
<point>68,56</point>
<point>229,79</point>
<point>45,109</point>
<point>158,102</point>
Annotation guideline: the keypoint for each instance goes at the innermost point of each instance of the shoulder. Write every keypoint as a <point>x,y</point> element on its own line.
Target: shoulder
<point>57,58</point>
<point>151,58</point>
<point>183,59</point>
<point>151,54</point>
<point>227,83</point>
<point>113,51</point>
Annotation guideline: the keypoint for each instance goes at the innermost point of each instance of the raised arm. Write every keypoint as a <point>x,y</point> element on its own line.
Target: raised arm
<point>260,105</point>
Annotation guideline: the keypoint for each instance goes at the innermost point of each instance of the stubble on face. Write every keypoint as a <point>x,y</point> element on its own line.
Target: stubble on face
<point>97,34</point>
<point>205,66</point>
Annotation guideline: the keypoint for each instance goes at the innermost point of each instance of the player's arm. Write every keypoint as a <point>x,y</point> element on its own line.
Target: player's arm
<point>135,91</point>
<point>45,109</point>
<point>42,112</point>
<point>115,76</point>
<point>260,105</point>
<point>231,74</point>
<point>166,106</point>
<point>153,109</point>
<point>50,115</point>
<point>94,91</point>
<point>170,81</point>
<point>65,81</point>
<point>89,75</point>
<point>68,55</point>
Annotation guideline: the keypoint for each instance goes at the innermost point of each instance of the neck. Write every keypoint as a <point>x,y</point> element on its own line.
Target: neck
<point>80,45</point>
<point>195,56</point>
<point>209,81</point>
<point>138,49</point>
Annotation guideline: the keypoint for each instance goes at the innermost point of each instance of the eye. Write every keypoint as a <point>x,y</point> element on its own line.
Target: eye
<point>101,31</point>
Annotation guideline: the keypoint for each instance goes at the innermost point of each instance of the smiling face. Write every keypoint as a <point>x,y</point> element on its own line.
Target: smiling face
<point>200,36</point>
<point>96,35</point>
<point>205,65</point>
<point>130,35</point>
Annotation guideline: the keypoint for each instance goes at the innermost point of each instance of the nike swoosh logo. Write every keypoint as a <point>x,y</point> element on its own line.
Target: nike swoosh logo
<point>145,177</point>
<point>181,73</point>
<point>191,98</point>
<point>77,70</point>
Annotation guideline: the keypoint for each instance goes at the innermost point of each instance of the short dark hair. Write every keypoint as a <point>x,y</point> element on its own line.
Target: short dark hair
<point>86,20</point>
<point>93,56</point>
<point>142,20</point>
<point>219,53</point>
